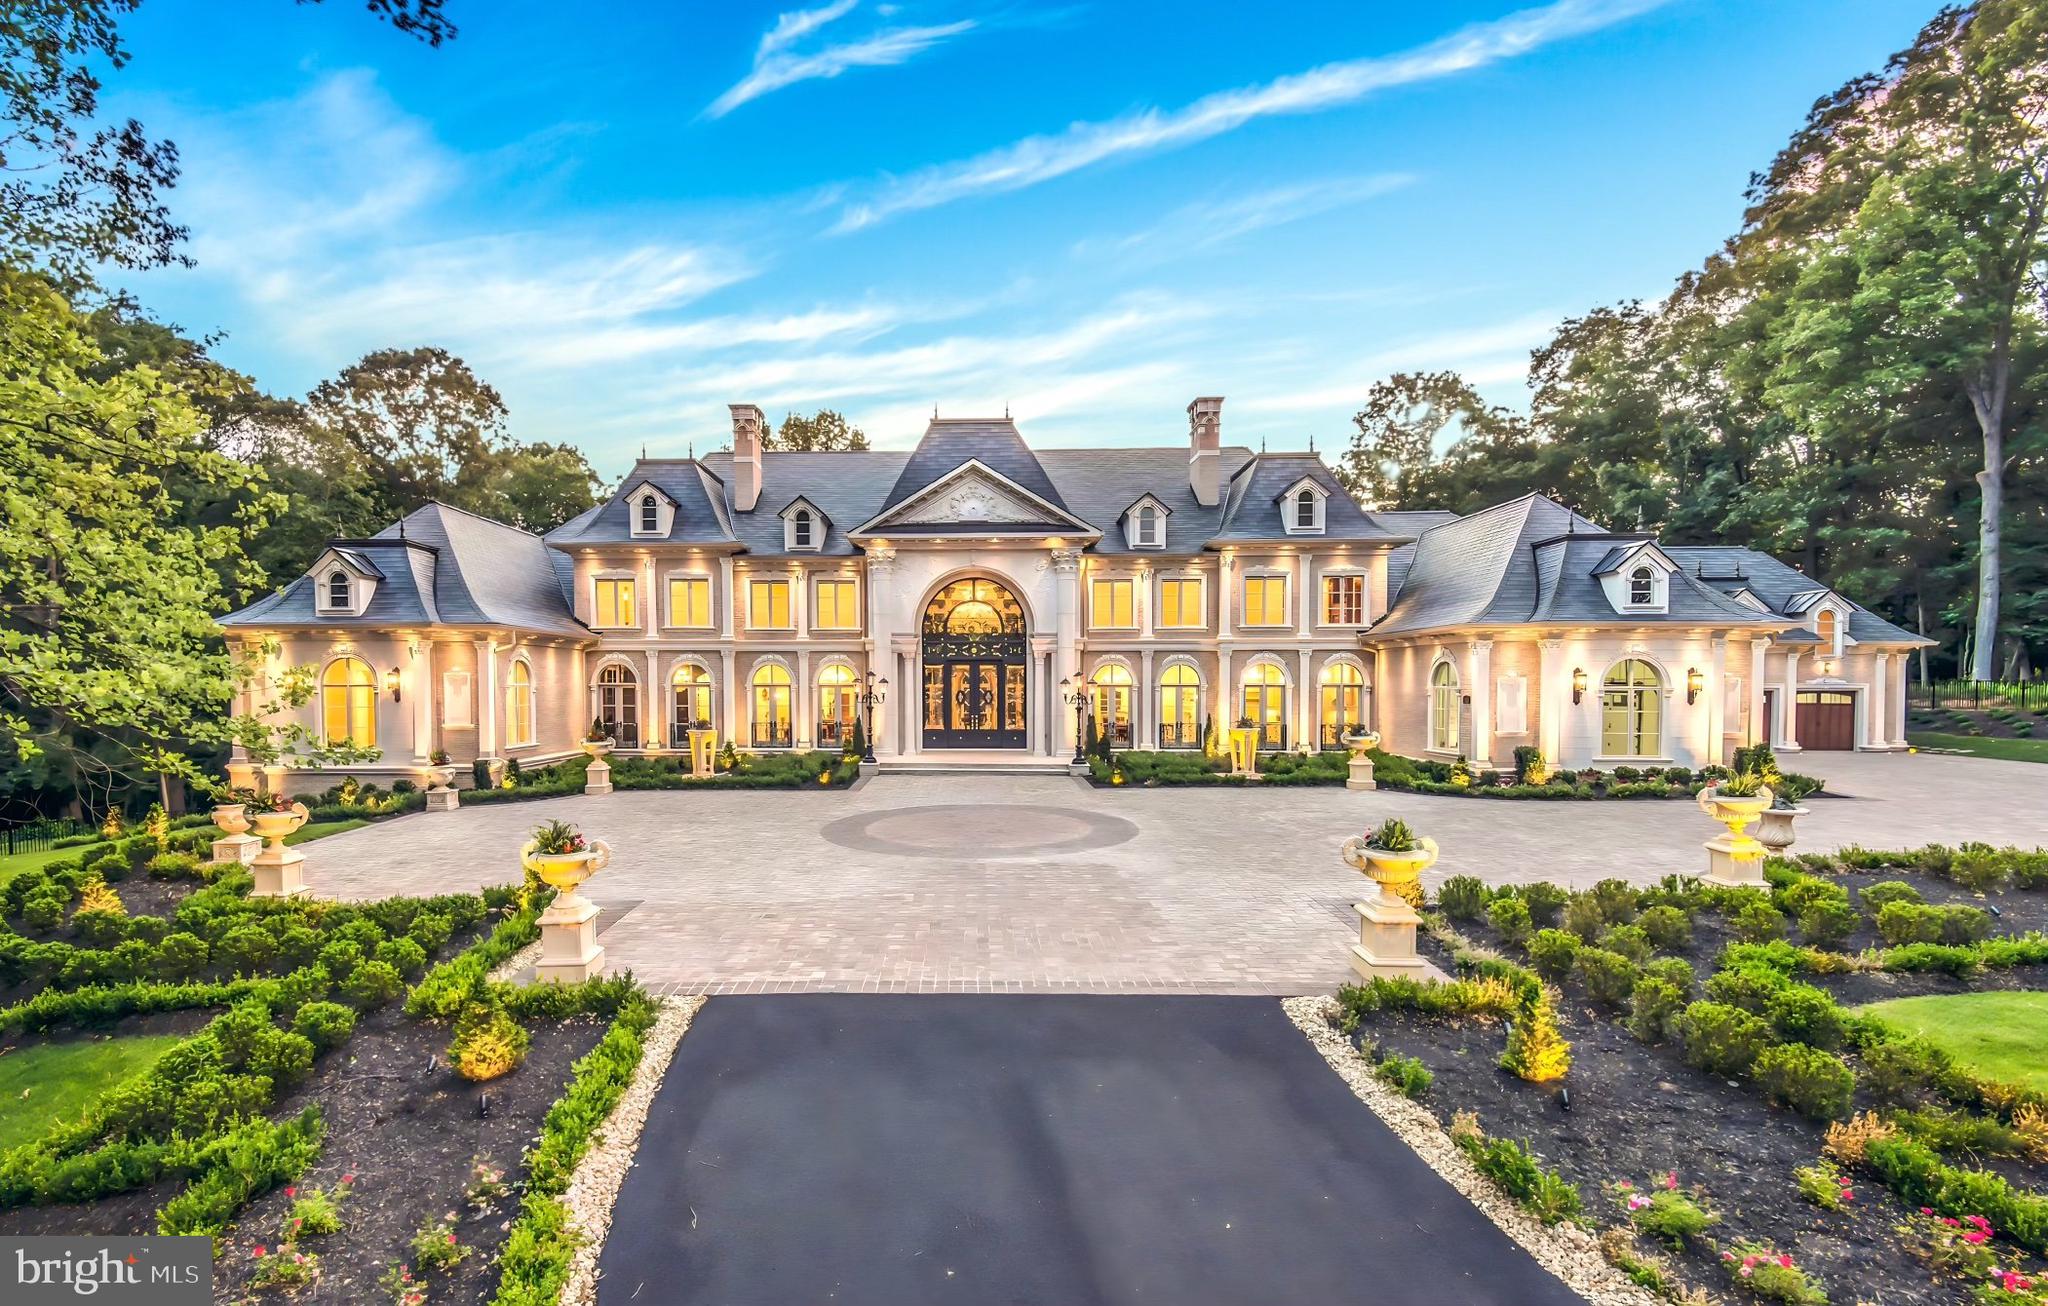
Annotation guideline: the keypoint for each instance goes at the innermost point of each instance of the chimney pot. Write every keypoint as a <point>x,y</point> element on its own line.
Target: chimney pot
<point>746,456</point>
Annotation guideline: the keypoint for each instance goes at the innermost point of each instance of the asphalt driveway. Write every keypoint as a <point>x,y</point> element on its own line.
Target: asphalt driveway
<point>1039,1149</point>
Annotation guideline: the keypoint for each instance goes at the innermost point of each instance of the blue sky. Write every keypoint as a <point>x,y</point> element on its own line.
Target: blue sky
<point>627,216</point>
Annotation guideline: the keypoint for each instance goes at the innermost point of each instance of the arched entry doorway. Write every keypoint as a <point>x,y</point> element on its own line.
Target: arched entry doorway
<point>972,647</point>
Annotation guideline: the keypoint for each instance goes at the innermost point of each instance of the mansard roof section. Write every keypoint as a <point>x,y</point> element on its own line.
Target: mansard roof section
<point>441,566</point>
<point>1569,571</point>
<point>846,487</point>
<point>1731,569</point>
<point>975,499</point>
<point>1252,507</point>
<point>697,518</point>
<point>994,442</point>
<point>1100,485</point>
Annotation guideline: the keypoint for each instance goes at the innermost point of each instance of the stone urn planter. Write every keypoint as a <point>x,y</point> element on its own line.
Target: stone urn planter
<point>1735,859</point>
<point>236,844</point>
<point>569,951</point>
<point>1361,743</point>
<point>440,777</point>
<point>231,818</point>
<point>598,779</point>
<point>279,871</point>
<point>1394,859</point>
<point>1774,828</point>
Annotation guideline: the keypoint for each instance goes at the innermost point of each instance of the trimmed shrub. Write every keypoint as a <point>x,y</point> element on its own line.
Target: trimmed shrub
<point>1758,922</point>
<point>1800,1013</point>
<point>1608,977</point>
<point>1810,1081</point>
<point>182,955</point>
<point>1462,897</point>
<point>1885,892</point>
<point>1668,928</point>
<point>44,909</point>
<point>405,955</point>
<point>1551,953</point>
<point>1746,985</point>
<point>1536,1051</point>
<point>110,867</point>
<point>373,984</point>
<point>1545,900</point>
<point>488,1043</point>
<point>1719,1038</point>
<point>1406,1074</point>
<point>1827,921</point>
<point>245,950</point>
<point>1654,1009</point>
<point>324,1024</point>
<point>1511,917</point>
<point>1631,941</point>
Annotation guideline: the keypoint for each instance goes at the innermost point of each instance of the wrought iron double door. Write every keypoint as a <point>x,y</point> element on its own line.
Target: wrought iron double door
<point>974,704</point>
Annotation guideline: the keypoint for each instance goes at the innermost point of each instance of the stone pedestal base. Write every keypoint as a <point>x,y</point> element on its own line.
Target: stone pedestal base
<point>1386,942</point>
<point>442,800</point>
<point>569,952</point>
<point>1361,774</point>
<point>1078,768</point>
<point>234,848</point>
<point>599,779</point>
<point>280,873</point>
<point>1735,862</point>
<point>870,768</point>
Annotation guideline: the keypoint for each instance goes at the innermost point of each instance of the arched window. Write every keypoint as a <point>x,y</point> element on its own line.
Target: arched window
<point>1110,695</point>
<point>1828,627</point>
<point>1632,711</point>
<point>771,706</point>
<point>1642,587</point>
<point>689,702</point>
<point>1148,525</point>
<point>618,704</point>
<point>348,703</point>
<point>838,705</point>
<point>650,515</point>
<point>802,528</point>
<point>1263,706</point>
<point>339,592</point>
<point>1305,509</point>
<point>1342,706</point>
<point>519,705</point>
<point>1180,707</point>
<point>1444,714</point>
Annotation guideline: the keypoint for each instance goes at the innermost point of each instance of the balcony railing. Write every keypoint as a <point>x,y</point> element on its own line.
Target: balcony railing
<point>1179,734</point>
<point>624,734</point>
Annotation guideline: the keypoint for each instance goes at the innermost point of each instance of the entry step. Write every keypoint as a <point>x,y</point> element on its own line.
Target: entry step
<point>974,765</point>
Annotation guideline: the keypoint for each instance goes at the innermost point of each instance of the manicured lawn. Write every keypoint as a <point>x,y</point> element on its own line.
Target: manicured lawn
<point>2001,1036</point>
<point>15,863</point>
<point>60,1078</point>
<point>320,829</point>
<point>2010,750</point>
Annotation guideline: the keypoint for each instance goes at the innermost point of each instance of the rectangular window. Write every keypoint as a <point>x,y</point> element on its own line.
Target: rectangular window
<point>1112,604</point>
<point>689,600</point>
<point>1265,600</point>
<point>1343,600</point>
<point>1180,603</point>
<point>768,605</point>
<point>837,607</point>
<point>615,605</point>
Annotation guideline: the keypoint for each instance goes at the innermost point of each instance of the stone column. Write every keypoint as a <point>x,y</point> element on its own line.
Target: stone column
<point>487,700</point>
<point>1716,690</point>
<point>1759,728</point>
<point>1896,732</point>
<point>1553,700</point>
<point>728,694</point>
<point>881,624</point>
<point>1145,705</point>
<point>1482,704</point>
<point>654,707</point>
<point>421,666</point>
<point>800,706</point>
<point>799,601</point>
<point>1066,565</point>
<point>1225,688</point>
<point>728,596</point>
<point>1142,594</point>
<point>1305,697</point>
<point>1875,711</point>
<point>1304,579</point>
<point>1788,706</point>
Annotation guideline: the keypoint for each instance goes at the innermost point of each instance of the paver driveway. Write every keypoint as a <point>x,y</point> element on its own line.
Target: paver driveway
<point>1012,883</point>
<point>1074,1150</point>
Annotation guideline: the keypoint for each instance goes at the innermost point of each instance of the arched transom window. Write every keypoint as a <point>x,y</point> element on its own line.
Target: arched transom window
<point>339,592</point>
<point>1443,708</point>
<point>1828,626</point>
<point>771,706</point>
<point>803,527</point>
<point>1632,710</point>
<point>1148,525</point>
<point>348,703</point>
<point>1341,708</point>
<point>1305,509</point>
<point>650,515</point>
<point>1180,707</point>
<point>838,705</point>
<point>519,705</point>
<point>1642,587</point>
<point>1263,704</point>
<point>618,704</point>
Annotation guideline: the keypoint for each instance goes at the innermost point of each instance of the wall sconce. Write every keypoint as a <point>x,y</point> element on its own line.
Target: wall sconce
<point>1578,684</point>
<point>1694,681</point>
<point>391,683</point>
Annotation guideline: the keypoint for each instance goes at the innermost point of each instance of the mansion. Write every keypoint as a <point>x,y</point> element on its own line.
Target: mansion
<point>992,596</point>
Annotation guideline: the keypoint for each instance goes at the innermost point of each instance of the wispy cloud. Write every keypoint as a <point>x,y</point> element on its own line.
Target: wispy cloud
<point>1037,159</point>
<point>777,64</point>
<point>1491,355</point>
<point>1206,224</point>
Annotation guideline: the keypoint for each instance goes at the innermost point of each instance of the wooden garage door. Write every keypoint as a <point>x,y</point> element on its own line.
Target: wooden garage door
<point>1827,719</point>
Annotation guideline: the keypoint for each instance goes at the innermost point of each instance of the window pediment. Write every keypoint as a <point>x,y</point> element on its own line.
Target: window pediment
<point>1302,505</point>
<point>650,512</point>
<point>1145,524</point>
<point>343,583</point>
<point>975,497</point>
<point>804,526</point>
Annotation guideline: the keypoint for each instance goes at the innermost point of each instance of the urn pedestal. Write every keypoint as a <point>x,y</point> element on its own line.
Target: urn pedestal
<point>1244,750</point>
<point>598,780</point>
<point>236,846</point>
<point>703,754</point>
<point>569,950</point>
<point>1774,829</point>
<point>443,800</point>
<point>1735,860</point>
<point>1386,923</point>
<point>1360,773</point>
<point>279,871</point>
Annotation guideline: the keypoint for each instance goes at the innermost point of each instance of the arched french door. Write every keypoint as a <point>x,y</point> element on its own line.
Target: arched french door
<point>974,678</point>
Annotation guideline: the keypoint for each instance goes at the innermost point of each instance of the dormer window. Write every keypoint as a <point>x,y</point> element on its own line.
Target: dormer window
<point>650,515</point>
<point>1828,625</point>
<point>1305,510</point>
<point>1148,525</point>
<point>1144,523</point>
<point>340,593</point>
<point>801,528</point>
<point>650,512</point>
<point>1642,588</point>
<point>1301,507</point>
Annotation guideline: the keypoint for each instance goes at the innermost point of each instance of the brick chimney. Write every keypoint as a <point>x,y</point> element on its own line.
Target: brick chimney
<point>1205,447</point>
<point>746,456</point>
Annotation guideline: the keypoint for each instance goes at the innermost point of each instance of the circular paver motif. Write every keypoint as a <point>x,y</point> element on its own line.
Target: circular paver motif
<point>979,832</point>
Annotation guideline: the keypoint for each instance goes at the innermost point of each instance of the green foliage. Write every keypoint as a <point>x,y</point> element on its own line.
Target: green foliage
<point>1668,928</point>
<point>1904,923</point>
<point>240,1166</point>
<point>1513,1167</point>
<point>1545,900</point>
<point>1721,1039</point>
<point>1824,1184</point>
<point>1763,1271</point>
<point>1536,1050</point>
<point>325,1024</point>
<point>1919,1177</point>
<point>1608,977</point>
<point>1758,922</point>
<point>1662,1212</point>
<point>1631,941</point>
<point>1463,897</point>
<point>1654,1007</point>
<point>1826,922</point>
<point>1407,1074</point>
<point>1810,1081</point>
<point>1552,953</point>
<point>1511,917</point>
<point>1877,897</point>
<point>372,985</point>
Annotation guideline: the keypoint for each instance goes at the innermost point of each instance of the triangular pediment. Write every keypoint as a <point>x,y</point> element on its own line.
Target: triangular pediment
<point>974,497</point>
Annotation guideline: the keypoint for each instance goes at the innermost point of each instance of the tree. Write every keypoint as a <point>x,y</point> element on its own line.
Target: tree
<point>1427,440</point>
<point>535,487</point>
<point>1912,204</point>
<point>414,417</point>
<point>110,665</point>
<point>823,431</point>
<point>75,195</point>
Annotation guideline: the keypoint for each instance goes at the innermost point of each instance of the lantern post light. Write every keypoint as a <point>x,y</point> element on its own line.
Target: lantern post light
<point>871,698</point>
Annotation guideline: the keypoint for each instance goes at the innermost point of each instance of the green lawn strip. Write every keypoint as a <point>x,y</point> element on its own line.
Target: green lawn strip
<point>1997,1035</point>
<point>56,1081</point>
<point>14,864</point>
<point>321,829</point>
<point>2008,750</point>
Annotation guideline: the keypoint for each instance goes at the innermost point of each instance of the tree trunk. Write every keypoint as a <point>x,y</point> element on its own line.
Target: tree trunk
<point>1920,616</point>
<point>1991,483</point>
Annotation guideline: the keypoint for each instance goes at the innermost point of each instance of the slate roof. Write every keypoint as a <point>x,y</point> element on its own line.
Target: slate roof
<point>699,498</point>
<point>1533,560</point>
<point>993,441</point>
<point>446,567</point>
<point>1253,511</point>
<point>1788,590</point>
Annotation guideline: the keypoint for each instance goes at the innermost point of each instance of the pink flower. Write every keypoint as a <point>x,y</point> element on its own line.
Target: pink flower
<point>291,1192</point>
<point>1927,1210</point>
<point>1975,1236</point>
<point>1748,1261</point>
<point>1727,1256</point>
<point>1848,1196</point>
<point>349,1178</point>
<point>258,1251</point>
<point>451,1239</point>
<point>1745,1271</point>
<point>1785,1260</point>
<point>1671,1179</point>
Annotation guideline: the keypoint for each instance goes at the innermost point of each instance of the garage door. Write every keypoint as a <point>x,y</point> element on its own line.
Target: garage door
<point>1827,719</point>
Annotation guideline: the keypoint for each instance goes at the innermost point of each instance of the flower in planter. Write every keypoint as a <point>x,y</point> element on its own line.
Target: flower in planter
<point>1391,836</point>
<point>558,839</point>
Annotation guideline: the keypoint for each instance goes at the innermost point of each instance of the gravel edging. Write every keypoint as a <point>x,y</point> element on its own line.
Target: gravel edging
<point>1567,1251</point>
<point>594,1190</point>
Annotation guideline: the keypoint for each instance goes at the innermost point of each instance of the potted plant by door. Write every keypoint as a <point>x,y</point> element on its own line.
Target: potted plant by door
<point>597,741</point>
<point>440,772</point>
<point>1774,823</point>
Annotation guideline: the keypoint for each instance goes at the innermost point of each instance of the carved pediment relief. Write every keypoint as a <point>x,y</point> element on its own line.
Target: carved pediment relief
<point>972,498</point>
